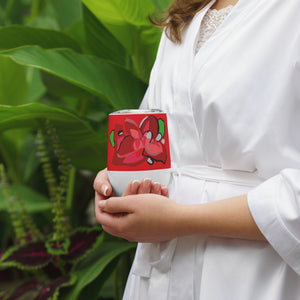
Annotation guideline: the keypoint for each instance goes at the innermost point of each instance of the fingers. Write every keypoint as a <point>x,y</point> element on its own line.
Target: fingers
<point>116,205</point>
<point>112,223</point>
<point>132,188</point>
<point>156,188</point>
<point>159,189</point>
<point>102,185</point>
<point>146,186</point>
<point>164,191</point>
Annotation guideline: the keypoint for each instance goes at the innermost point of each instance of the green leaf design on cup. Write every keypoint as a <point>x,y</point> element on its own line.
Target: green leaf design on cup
<point>161,128</point>
<point>111,138</point>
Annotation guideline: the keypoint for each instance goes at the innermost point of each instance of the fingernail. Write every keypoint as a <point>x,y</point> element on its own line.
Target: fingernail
<point>134,185</point>
<point>164,187</point>
<point>147,179</point>
<point>156,182</point>
<point>105,190</point>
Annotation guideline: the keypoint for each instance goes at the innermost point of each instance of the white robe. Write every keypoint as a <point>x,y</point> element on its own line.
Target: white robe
<point>234,124</point>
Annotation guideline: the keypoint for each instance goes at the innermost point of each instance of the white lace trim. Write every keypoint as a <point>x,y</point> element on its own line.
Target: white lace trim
<point>212,19</point>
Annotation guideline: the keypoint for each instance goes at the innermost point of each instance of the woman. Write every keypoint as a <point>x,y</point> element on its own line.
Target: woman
<point>230,226</point>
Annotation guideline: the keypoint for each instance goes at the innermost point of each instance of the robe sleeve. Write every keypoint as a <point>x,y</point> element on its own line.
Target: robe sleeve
<point>275,207</point>
<point>144,103</point>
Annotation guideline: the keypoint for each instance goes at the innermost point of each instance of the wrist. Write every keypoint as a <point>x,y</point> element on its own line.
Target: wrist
<point>184,220</point>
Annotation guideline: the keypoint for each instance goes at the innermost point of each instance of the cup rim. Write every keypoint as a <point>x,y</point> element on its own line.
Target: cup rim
<point>137,111</point>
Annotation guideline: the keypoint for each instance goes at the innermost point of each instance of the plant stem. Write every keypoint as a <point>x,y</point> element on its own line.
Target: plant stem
<point>70,191</point>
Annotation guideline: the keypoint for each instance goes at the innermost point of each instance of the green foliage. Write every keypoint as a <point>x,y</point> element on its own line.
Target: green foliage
<point>12,75</point>
<point>97,76</point>
<point>64,66</point>
<point>17,36</point>
<point>128,22</point>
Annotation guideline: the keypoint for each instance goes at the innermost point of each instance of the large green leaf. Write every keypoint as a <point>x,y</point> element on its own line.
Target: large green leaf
<point>128,21</point>
<point>90,268</point>
<point>100,41</point>
<point>84,146</point>
<point>112,83</point>
<point>32,201</point>
<point>17,36</point>
<point>13,85</point>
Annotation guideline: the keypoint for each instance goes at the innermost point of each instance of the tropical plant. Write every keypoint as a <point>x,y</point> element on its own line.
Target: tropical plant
<point>64,66</point>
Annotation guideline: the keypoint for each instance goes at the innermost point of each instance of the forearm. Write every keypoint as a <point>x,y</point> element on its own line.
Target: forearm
<point>225,218</point>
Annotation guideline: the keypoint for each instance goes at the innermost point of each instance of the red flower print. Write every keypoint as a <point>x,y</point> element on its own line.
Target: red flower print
<point>136,144</point>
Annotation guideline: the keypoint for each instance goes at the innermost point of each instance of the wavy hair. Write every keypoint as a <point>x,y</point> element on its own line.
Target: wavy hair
<point>178,17</point>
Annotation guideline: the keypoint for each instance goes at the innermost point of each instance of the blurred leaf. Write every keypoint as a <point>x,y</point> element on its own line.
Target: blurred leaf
<point>1,13</point>
<point>11,143</point>
<point>37,7</point>
<point>43,15</point>
<point>85,147</point>
<point>91,291</point>
<point>33,202</point>
<point>91,267</point>
<point>61,88</point>
<point>12,75</point>
<point>12,12</point>
<point>100,41</point>
<point>82,242</point>
<point>36,86</point>
<point>29,256</point>
<point>16,36</point>
<point>52,289</point>
<point>128,22</point>
<point>67,12</point>
<point>77,32</point>
<point>28,160</point>
<point>110,82</point>
<point>161,5</point>
<point>123,18</point>
<point>26,287</point>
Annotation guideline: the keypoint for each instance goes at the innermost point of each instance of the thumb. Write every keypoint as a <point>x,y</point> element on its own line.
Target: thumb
<point>116,205</point>
<point>102,184</point>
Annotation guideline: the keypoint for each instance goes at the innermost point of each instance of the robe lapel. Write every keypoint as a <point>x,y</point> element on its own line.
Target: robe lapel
<point>223,32</point>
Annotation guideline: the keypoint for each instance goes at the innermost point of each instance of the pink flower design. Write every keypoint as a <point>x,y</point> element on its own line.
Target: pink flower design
<point>136,144</point>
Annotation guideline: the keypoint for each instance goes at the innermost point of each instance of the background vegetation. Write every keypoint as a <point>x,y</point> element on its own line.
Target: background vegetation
<point>64,66</point>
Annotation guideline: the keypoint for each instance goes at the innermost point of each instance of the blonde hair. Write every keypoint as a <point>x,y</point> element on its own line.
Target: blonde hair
<point>178,17</point>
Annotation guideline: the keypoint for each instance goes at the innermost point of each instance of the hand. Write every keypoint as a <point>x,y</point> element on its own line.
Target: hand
<point>142,218</point>
<point>103,188</point>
